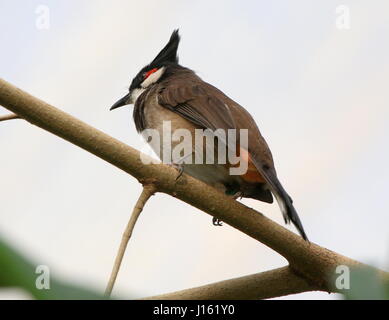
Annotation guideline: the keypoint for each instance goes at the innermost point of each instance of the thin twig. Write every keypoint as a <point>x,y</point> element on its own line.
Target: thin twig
<point>147,192</point>
<point>9,117</point>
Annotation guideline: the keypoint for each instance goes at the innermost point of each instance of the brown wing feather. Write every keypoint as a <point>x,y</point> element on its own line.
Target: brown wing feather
<point>194,103</point>
<point>208,107</point>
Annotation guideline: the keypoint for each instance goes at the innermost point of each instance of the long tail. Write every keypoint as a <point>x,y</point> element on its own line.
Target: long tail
<point>285,203</point>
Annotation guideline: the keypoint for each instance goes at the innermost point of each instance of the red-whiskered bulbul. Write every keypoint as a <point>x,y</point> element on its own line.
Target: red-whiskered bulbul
<point>166,91</point>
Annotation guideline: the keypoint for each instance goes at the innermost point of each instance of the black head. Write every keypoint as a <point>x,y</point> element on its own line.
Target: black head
<point>153,72</point>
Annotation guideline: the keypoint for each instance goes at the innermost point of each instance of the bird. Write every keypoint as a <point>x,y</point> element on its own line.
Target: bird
<point>166,92</point>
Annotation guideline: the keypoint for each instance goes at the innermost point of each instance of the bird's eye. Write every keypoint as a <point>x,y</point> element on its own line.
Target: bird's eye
<point>148,73</point>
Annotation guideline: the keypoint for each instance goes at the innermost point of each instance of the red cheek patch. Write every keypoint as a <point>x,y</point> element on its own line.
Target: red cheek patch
<point>148,73</point>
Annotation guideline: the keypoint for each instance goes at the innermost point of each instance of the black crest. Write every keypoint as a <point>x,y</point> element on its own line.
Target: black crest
<point>169,52</point>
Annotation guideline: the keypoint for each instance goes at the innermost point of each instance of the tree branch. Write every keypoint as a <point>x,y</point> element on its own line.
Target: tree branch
<point>147,192</point>
<point>308,260</point>
<point>264,285</point>
<point>9,117</point>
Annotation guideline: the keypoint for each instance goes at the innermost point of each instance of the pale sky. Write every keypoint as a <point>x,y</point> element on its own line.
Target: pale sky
<point>318,93</point>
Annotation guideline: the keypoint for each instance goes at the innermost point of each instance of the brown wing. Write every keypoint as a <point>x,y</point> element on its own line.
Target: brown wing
<point>208,107</point>
<point>194,103</point>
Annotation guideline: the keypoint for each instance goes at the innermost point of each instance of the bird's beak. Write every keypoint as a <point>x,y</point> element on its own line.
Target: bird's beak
<point>122,102</point>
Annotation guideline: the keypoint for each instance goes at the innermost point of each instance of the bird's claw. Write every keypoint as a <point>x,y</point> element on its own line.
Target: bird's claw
<point>180,169</point>
<point>179,165</point>
<point>216,222</point>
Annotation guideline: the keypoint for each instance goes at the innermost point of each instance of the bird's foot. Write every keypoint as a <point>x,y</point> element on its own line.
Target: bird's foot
<point>179,165</point>
<point>216,222</point>
<point>179,168</point>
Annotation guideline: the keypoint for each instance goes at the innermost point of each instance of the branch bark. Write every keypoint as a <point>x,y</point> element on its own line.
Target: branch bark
<point>9,117</point>
<point>264,285</point>
<point>308,260</point>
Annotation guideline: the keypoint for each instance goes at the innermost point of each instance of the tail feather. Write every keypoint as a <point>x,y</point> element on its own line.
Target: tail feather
<point>289,213</point>
<point>285,202</point>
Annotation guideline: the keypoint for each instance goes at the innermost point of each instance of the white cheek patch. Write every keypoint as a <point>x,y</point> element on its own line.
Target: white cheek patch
<point>135,95</point>
<point>153,78</point>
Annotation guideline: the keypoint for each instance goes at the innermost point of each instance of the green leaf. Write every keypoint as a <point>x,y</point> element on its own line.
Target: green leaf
<point>18,271</point>
<point>366,284</point>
